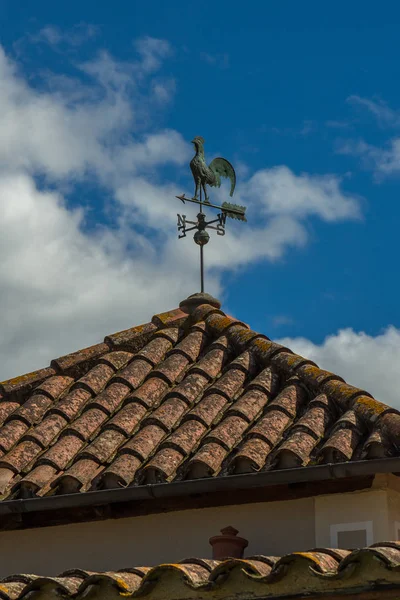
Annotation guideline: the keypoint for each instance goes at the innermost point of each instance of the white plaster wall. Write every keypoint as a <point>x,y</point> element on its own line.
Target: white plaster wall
<point>394,514</point>
<point>274,528</point>
<point>351,508</point>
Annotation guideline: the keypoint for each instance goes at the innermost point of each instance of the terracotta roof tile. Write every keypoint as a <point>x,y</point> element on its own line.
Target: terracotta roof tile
<point>33,409</point>
<point>184,396</point>
<point>128,418</point>
<point>104,446</point>
<point>62,452</point>
<point>374,446</point>
<point>251,456</point>
<point>207,461</point>
<point>171,368</point>
<point>72,404</point>
<point>168,414</point>
<point>145,441</point>
<point>228,432</point>
<point>47,430</point>
<point>11,433</point>
<point>132,339</point>
<point>150,392</point>
<point>121,472</point>
<point>208,408</point>
<point>7,407</point>
<point>79,475</point>
<point>117,359</point>
<point>157,348</point>
<point>171,317</point>
<point>20,456</point>
<point>186,437</point>
<point>87,424</point>
<point>271,427</point>
<point>162,466</point>
<point>96,379</point>
<point>295,450</point>
<point>134,374</point>
<point>110,398</point>
<point>19,386</point>
<point>190,388</point>
<point>78,363</point>
<point>341,445</point>
<point>250,404</point>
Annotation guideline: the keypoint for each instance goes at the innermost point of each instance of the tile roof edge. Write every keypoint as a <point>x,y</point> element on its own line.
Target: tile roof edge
<point>132,338</point>
<point>306,474</point>
<point>313,573</point>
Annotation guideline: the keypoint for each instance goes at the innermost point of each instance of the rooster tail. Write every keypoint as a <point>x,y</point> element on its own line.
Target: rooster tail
<point>222,168</point>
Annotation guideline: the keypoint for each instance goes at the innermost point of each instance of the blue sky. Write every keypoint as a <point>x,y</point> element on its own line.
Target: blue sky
<point>303,99</point>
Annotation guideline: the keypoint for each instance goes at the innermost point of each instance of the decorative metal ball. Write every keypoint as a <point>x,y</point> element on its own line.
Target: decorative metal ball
<point>201,237</point>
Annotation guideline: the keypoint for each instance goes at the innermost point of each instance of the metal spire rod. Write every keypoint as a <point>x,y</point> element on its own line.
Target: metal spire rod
<point>201,252</point>
<point>208,175</point>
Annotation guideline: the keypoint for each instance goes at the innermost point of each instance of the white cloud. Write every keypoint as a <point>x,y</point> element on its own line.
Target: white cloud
<point>152,52</point>
<point>384,160</point>
<point>281,192</point>
<point>221,61</point>
<point>381,111</point>
<point>75,36</point>
<point>368,362</point>
<point>64,285</point>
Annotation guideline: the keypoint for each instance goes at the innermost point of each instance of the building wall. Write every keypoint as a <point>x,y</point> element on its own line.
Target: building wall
<point>274,528</point>
<point>336,515</point>
<point>394,514</point>
<point>271,528</point>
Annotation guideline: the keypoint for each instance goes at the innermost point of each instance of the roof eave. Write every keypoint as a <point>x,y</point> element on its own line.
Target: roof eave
<point>181,489</point>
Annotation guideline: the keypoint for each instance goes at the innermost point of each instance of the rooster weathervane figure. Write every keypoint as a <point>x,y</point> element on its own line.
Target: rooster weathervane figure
<point>204,175</point>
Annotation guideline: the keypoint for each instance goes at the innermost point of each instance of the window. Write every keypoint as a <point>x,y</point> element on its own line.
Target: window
<point>397,530</point>
<point>351,535</point>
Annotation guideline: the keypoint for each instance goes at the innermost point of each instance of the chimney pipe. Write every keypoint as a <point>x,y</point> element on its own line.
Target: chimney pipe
<point>228,545</point>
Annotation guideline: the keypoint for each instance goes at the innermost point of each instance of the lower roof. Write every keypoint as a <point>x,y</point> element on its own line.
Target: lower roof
<point>193,394</point>
<point>367,573</point>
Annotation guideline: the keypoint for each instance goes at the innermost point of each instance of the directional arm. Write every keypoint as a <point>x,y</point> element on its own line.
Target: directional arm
<point>233,211</point>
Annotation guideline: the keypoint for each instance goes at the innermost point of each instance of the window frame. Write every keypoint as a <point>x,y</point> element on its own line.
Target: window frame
<point>336,528</point>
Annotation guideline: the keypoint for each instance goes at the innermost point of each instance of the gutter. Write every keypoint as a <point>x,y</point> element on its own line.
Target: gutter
<point>332,471</point>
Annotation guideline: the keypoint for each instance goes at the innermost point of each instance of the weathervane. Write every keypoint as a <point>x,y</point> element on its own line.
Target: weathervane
<point>208,175</point>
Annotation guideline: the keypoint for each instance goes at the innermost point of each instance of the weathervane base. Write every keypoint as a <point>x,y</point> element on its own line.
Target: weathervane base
<point>195,300</point>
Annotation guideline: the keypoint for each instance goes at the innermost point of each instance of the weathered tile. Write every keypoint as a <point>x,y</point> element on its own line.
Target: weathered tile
<point>172,367</point>
<point>208,409</point>
<point>48,429</point>
<point>127,418</point>
<point>77,363</point>
<point>228,432</point>
<point>104,446</point>
<point>144,442</point>
<point>11,433</point>
<point>121,472</point>
<point>207,461</point>
<point>168,413</point>
<point>251,456</point>
<point>96,379</point>
<point>72,404</point>
<point>186,437</point>
<point>62,452</point>
<point>20,456</point>
<point>89,422</point>
<point>162,466</point>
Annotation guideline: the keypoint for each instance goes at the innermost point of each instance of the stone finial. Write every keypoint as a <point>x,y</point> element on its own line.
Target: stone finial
<point>228,545</point>
<point>195,300</point>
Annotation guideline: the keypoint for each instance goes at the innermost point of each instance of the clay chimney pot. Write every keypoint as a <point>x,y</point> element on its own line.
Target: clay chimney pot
<point>228,545</point>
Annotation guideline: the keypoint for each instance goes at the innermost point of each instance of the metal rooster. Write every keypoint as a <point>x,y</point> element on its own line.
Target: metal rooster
<point>209,175</point>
